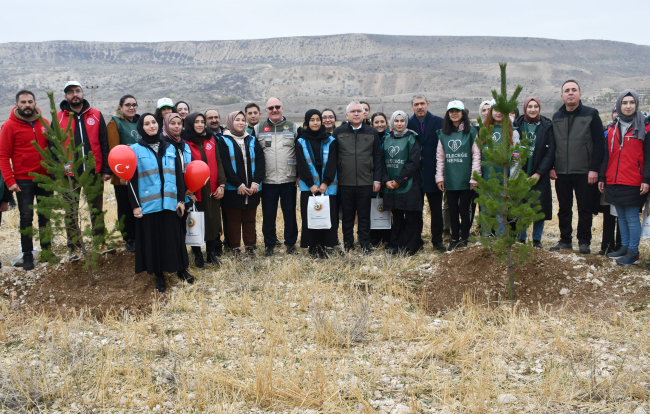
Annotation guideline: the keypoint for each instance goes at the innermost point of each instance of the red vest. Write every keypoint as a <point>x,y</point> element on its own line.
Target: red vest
<point>625,166</point>
<point>210,149</point>
<point>90,117</point>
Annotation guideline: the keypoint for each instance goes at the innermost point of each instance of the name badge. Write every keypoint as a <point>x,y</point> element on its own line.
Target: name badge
<point>268,143</point>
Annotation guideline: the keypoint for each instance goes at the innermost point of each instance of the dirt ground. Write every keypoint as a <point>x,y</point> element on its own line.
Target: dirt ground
<point>549,280</point>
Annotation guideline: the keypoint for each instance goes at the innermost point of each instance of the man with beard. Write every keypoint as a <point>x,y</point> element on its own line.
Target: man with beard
<point>89,131</point>
<point>252,112</point>
<point>213,120</point>
<point>18,158</point>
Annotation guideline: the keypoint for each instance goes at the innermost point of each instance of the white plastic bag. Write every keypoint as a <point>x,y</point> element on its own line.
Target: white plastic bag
<point>612,209</point>
<point>379,219</point>
<point>195,235</point>
<point>318,213</point>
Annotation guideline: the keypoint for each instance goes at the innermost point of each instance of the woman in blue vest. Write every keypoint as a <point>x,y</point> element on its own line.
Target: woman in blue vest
<point>316,163</point>
<point>403,183</point>
<point>242,158</point>
<point>379,121</point>
<point>157,195</point>
<point>457,158</point>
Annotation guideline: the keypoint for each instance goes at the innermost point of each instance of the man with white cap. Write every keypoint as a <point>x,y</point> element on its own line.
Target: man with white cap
<point>89,132</point>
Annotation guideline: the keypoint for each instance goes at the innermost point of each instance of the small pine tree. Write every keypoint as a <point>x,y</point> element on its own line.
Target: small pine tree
<point>506,199</point>
<point>63,162</point>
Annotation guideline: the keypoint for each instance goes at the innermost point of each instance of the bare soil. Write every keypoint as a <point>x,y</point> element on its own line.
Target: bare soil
<point>64,288</point>
<point>549,281</point>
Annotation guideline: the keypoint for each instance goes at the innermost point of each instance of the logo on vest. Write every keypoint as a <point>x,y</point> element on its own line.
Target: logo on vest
<point>318,206</point>
<point>135,134</point>
<point>208,146</point>
<point>267,129</point>
<point>454,144</point>
<point>393,151</point>
<point>286,127</point>
<point>191,222</point>
<point>380,208</point>
<point>531,136</point>
<point>90,121</point>
<point>496,137</point>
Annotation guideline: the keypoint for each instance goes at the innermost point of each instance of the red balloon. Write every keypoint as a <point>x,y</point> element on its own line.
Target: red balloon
<point>197,174</point>
<point>123,161</point>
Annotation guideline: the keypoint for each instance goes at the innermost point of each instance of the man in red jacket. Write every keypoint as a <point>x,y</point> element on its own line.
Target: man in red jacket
<point>89,131</point>
<point>16,137</point>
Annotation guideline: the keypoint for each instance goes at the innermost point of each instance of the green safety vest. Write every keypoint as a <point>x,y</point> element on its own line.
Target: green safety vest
<point>530,131</point>
<point>458,158</point>
<point>396,154</point>
<point>128,131</point>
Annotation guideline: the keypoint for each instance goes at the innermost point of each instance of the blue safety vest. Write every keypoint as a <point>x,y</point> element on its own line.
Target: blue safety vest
<point>309,157</point>
<point>250,142</point>
<point>149,181</point>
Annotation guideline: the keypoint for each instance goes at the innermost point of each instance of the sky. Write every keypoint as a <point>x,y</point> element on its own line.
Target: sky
<point>174,20</point>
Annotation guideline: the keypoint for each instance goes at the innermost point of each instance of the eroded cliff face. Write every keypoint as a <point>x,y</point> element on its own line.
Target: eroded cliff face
<point>325,70</point>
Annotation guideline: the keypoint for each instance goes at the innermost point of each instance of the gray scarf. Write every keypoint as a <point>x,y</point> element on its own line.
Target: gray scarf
<point>397,133</point>
<point>637,120</point>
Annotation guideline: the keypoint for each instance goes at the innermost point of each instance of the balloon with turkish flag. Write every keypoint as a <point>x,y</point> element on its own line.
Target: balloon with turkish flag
<point>123,161</point>
<point>197,174</point>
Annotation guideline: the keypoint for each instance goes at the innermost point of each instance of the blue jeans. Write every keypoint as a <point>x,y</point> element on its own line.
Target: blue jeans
<point>538,229</point>
<point>501,228</point>
<point>286,194</point>
<point>630,225</point>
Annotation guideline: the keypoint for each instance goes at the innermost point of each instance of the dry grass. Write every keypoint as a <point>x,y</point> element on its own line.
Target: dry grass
<point>291,334</point>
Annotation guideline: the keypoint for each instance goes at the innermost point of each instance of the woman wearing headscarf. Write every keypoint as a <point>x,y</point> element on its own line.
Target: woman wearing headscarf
<point>242,158</point>
<point>182,108</point>
<point>484,108</point>
<point>316,164</point>
<point>539,131</point>
<point>329,119</point>
<point>203,147</point>
<point>379,121</point>
<point>157,195</point>
<point>454,173</point>
<point>624,174</point>
<point>403,194</point>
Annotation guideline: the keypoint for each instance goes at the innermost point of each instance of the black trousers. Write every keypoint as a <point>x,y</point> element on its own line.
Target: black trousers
<point>29,191</point>
<point>97,226</point>
<point>565,186</point>
<point>124,210</point>
<point>611,240</point>
<point>437,224</point>
<point>459,214</point>
<point>355,202</point>
<point>406,230</point>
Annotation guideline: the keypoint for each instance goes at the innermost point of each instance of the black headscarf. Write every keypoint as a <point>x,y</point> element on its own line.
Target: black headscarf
<point>149,139</point>
<point>307,132</point>
<point>188,131</point>
<point>637,119</point>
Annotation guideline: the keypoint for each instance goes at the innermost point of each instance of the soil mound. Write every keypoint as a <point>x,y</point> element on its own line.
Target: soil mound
<point>63,288</point>
<point>550,280</point>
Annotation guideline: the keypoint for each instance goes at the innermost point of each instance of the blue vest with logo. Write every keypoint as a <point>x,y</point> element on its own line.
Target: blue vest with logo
<point>149,181</point>
<point>324,155</point>
<point>251,154</point>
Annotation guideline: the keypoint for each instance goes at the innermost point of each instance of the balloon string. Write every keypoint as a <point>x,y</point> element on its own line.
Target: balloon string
<point>136,197</point>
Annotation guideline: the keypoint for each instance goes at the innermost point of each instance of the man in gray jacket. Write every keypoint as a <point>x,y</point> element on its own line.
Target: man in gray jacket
<point>277,137</point>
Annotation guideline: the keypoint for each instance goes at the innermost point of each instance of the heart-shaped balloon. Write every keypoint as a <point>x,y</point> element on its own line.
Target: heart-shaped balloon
<point>123,161</point>
<point>197,175</point>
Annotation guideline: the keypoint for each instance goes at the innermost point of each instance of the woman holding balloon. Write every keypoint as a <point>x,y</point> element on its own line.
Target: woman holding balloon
<point>208,196</point>
<point>157,195</point>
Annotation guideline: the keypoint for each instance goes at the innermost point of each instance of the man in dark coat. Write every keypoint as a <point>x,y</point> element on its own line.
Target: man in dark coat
<point>426,125</point>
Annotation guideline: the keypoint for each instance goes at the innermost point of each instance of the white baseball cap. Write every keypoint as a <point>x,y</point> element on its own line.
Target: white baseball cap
<point>456,105</point>
<point>72,83</point>
<point>165,102</point>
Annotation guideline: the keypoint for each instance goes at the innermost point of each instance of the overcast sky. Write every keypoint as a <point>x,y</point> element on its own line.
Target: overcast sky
<point>169,20</point>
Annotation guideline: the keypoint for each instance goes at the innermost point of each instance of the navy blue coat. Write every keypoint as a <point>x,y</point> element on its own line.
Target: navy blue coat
<point>429,145</point>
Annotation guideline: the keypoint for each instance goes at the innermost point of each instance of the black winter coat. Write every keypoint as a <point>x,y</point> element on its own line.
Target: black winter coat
<point>543,160</point>
<point>429,145</point>
<point>231,198</point>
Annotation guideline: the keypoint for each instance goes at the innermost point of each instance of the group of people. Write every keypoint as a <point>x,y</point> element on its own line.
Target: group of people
<point>402,159</point>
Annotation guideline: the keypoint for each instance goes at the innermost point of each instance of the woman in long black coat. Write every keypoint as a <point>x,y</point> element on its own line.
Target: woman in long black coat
<point>539,131</point>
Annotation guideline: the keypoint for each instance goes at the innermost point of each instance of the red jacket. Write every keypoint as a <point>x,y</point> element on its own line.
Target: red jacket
<point>16,138</point>
<point>210,149</point>
<point>87,128</point>
<point>625,159</point>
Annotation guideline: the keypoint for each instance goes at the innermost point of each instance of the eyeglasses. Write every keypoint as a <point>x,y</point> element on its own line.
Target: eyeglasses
<point>276,107</point>
<point>131,105</point>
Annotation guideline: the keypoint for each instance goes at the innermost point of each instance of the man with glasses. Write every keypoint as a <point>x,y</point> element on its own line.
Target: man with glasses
<point>89,131</point>
<point>277,137</point>
<point>213,120</point>
<point>19,158</point>
<point>359,174</point>
<point>252,111</point>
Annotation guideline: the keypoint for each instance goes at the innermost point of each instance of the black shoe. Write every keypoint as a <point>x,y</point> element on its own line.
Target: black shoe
<point>521,241</point>
<point>292,249</point>
<point>218,252</point>
<point>268,251</point>
<point>198,259</point>
<point>211,258</point>
<point>452,245</point>
<point>236,252</point>
<point>186,276</point>
<point>538,244</point>
<point>602,252</point>
<point>561,245</point>
<point>584,249</point>
<point>161,285</point>
<point>278,242</point>
<point>366,250</point>
<point>392,250</point>
<point>440,247</point>
<point>461,244</point>
<point>349,247</point>
<point>129,245</point>
<point>618,253</point>
<point>28,261</point>
<point>323,253</point>
<point>250,252</point>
